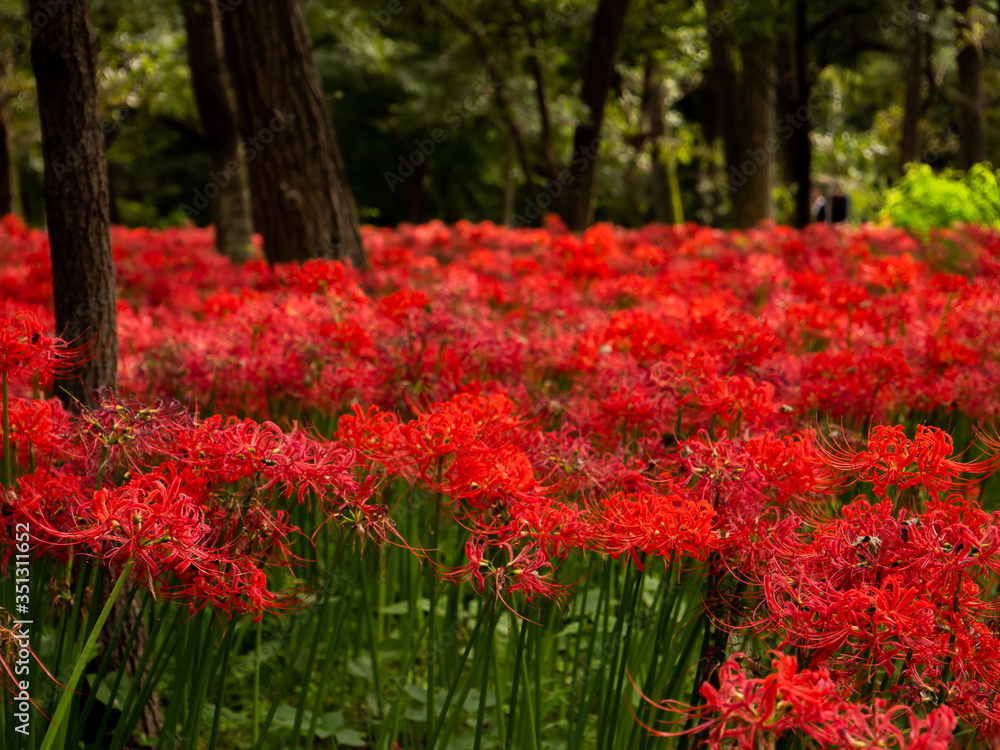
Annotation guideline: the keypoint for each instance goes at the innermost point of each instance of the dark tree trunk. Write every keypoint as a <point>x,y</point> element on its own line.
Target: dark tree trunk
<point>725,85</point>
<point>971,138</point>
<point>302,204</point>
<point>8,182</point>
<point>509,184</point>
<point>577,204</point>
<point>786,100</point>
<point>217,106</point>
<point>550,163</point>
<point>8,194</point>
<point>914,77</point>
<point>746,105</point>
<point>753,202</point>
<point>661,201</point>
<point>64,59</point>
<point>800,145</point>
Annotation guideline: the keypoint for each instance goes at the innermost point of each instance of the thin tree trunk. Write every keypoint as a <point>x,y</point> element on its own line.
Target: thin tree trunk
<point>302,204</point>
<point>725,84</point>
<point>549,160</point>
<point>914,77</point>
<point>971,137</point>
<point>653,112</point>
<point>800,144</point>
<point>746,106</point>
<point>8,196</point>
<point>8,183</point>
<point>753,202</point>
<point>509,185</point>
<point>217,107</point>
<point>577,204</point>
<point>786,100</point>
<point>64,59</point>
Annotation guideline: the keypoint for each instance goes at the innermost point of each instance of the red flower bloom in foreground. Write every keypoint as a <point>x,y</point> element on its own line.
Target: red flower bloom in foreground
<point>890,459</point>
<point>748,713</point>
<point>654,524</point>
<point>23,346</point>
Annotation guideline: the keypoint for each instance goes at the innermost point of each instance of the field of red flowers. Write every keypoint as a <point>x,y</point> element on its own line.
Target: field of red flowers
<point>518,488</point>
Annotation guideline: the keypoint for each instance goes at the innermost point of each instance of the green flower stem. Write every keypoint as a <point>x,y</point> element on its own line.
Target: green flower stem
<point>518,661</point>
<point>56,729</point>
<point>227,648</point>
<point>331,649</point>
<point>133,687</point>
<point>372,645</point>
<point>626,611</point>
<point>484,685</point>
<point>8,477</point>
<point>454,686</point>
<point>255,721</point>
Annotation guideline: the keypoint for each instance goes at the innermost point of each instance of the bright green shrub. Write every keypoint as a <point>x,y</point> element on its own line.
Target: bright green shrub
<point>922,199</point>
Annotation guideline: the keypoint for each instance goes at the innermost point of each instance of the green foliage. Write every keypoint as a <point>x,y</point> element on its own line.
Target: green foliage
<point>922,199</point>
<point>394,73</point>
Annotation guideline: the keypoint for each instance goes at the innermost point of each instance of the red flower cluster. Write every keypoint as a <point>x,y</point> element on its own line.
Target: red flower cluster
<point>752,712</point>
<point>649,393</point>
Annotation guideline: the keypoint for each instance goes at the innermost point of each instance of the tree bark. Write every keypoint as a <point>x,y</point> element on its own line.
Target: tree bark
<point>725,85</point>
<point>509,184</point>
<point>8,182</point>
<point>971,137</point>
<point>216,102</point>
<point>302,204</point>
<point>661,200</point>
<point>744,83</point>
<point>577,205</point>
<point>8,195</point>
<point>800,144</point>
<point>64,60</point>
<point>549,160</point>
<point>754,201</point>
<point>914,77</point>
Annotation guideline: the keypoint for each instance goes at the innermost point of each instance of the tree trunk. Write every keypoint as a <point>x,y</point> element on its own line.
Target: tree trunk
<point>509,184</point>
<point>8,182</point>
<point>971,137</point>
<point>786,100</point>
<point>302,204</point>
<point>217,106</point>
<point>800,144</point>
<point>725,87</point>
<point>8,195</point>
<point>64,60</point>
<point>914,77</point>
<point>577,204</point>
<point>743,79</point>
<point>661,201</point>
<point>753,201</point>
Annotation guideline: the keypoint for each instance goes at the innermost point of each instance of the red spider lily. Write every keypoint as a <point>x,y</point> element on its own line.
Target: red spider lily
<point>790,465</point>
<point>25,347</point>
<point>328,276</point>
<point>39,429</point>
<point>401,306</point>
<point>892,460</point>
<point>750,712</point>
<point>153,522</point>
<point>653,524</point>
<point>629,391</point>
<point>368,521</point>
<point>503,570</point>
<point>877,591</point>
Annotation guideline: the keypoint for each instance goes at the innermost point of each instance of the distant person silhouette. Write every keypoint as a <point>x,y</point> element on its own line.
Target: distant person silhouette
<point>841,207</point>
